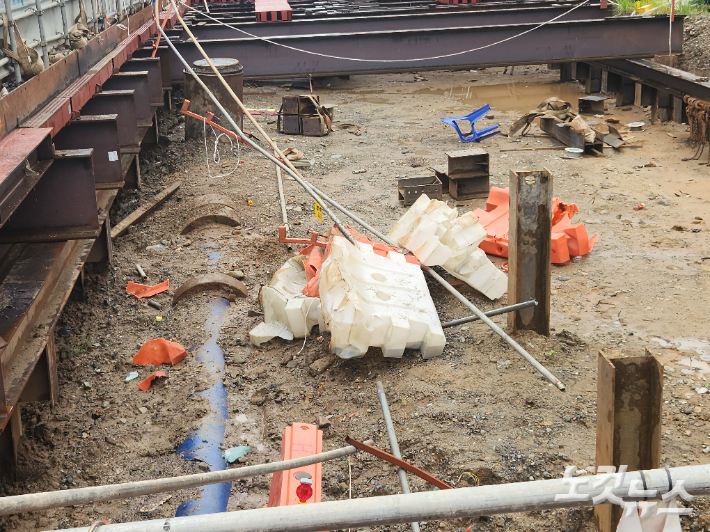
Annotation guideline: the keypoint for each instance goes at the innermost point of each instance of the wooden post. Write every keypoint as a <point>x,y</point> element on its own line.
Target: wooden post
<point>629,408</point>
<point>529,241</point>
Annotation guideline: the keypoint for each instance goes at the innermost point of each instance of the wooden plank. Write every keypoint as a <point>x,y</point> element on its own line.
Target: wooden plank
<point>629,409</point>
<point>143,211</point>
<point>606,377</point>
<point>529,249</point>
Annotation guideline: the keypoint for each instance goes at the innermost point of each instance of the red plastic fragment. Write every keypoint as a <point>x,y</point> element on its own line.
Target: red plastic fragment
<point>147,383</point>
<point>160,351</point>
<point>142,290</point>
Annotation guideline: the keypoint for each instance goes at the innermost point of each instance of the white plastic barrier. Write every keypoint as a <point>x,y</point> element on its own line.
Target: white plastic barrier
<point>287,312</point>
<point>438,236</point>
<point>371,300</point>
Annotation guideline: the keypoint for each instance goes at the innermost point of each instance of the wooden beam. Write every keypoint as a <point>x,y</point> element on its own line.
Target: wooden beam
<point>529,241</point>
<point>629,410</point>
<point>143,211</point>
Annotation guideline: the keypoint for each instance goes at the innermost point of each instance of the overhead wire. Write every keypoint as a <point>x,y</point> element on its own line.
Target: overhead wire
<point>444,56</point>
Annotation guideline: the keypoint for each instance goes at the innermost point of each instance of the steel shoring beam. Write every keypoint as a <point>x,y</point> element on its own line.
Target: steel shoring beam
<point>588,41</point>
<point>418,21</point>
<point>661,77</point>
<point>414,8</point>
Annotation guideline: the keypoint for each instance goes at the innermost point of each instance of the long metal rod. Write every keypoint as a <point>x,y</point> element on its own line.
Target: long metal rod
<point>42,35</point>
<point>55,499</point>
<point>490,313</point>
<point>401,473</point>
<point>443,282</point>
<point>285,164</point>
<point>11,36</point>
<point>423,506</point>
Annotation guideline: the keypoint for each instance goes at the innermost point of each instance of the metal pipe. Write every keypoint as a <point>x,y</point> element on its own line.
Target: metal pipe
<point>282,199</point>
<point>42,36</point>
<point>423,506</point>
<point>65,22</point>
<point>11,33</point>
<point>285,164</point>
<point>480,315</point>
<point>55,499</point>
<point>401,473</point>
<point>496,312</point>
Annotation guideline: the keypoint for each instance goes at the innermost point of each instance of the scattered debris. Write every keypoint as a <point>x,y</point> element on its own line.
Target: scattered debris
<point>140,271</point>
<point>568,240</point>
<point>140,290</point>
<point>147,383</point>
<point>473,135</point>
<point>211,281</point>
<point>372,300</point>
<point>233,454</point>
<point>304,115</point>
<point>132,375</point>
<point>437,236</point>
<point>144,210</point>
<point>160,351</point>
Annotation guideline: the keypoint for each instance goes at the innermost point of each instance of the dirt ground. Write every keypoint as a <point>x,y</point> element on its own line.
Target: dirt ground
<point>479,413</point>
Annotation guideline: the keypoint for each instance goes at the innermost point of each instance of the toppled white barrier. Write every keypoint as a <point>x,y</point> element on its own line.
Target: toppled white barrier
<point>287,312</point>
<point>371,300</point>
<point>438,236</point>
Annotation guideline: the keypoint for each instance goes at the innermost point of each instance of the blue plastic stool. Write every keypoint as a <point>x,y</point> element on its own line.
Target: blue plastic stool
<point>473,135</point>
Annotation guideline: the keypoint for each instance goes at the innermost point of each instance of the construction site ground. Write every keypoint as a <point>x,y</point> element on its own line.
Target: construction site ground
<point>479,414</point>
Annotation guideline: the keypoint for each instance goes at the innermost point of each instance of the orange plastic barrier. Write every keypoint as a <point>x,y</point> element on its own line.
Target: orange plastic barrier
<point>567,239</point>
<point>300,439</point>
<point>316,256</point>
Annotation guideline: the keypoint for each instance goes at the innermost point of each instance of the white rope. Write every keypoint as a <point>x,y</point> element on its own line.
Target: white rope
<point>216,157</point>
<point>307,333</point>
<point>387,60</point>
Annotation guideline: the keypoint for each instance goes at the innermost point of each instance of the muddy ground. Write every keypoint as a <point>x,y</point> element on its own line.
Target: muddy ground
<point>479,413</point>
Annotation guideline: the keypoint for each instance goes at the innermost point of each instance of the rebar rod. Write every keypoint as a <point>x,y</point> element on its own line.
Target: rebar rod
<point>426,506</point>
<point>443,282</point>
<point>54,499</point>
<point>401,473</point>
<point>495,312</point>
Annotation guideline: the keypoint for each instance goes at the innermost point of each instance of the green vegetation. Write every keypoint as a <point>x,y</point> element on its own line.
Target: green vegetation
<point>691,7</point>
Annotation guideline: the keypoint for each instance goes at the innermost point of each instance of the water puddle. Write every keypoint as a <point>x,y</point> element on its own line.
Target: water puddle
<point>205,443</point>
<point>374,100</point>
<point>509,96</point>
<point>699,347</point>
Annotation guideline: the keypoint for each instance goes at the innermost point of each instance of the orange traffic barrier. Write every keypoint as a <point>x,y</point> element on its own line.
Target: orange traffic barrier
<point>300,439</point>
<point>142,290</point>
<point>160,351</point>
<point>568,239</point>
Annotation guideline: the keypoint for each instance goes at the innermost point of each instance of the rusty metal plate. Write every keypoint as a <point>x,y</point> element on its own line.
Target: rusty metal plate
<point>152,66</point>
<point>122,104</point>
<point>22,149</point>
<point>61,206</point>
<point>100,133</point>
<point>138,82</point>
